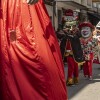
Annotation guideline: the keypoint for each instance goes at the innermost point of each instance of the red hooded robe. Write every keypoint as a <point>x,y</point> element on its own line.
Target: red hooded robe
<point>31,67</point>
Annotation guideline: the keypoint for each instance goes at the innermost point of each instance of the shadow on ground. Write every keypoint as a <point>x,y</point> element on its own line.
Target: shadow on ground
<point>74,90</point>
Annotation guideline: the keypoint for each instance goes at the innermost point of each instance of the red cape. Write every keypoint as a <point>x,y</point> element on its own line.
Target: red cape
<point>30,59</point>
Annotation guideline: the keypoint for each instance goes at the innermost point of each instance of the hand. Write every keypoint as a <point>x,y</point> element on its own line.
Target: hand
<point>75,30</point>
<point>32,1</point>
<point>87,57</point>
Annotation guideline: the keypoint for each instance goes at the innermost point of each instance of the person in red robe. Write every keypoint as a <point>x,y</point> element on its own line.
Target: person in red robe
<point>73,74</point>
<point>31,66</point>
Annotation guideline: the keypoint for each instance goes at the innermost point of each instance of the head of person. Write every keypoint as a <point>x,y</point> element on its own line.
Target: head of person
<point>86,29</point>
<point>66,29</point>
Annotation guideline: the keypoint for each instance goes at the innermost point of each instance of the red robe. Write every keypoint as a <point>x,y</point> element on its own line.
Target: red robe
<point>31,67</point>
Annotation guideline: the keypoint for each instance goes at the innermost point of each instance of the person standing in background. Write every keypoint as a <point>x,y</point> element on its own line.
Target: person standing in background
<point>88,44</point>
<point>73,54</point>
<point>96,34</point>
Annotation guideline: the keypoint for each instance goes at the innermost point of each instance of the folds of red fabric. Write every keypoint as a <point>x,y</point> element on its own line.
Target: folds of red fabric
<point>31,67</point>
<point>0,10</point>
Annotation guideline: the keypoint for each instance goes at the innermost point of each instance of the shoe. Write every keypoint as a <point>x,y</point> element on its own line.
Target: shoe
<point>76,80</point>
<point>70,82</point>
<point>90,78</point>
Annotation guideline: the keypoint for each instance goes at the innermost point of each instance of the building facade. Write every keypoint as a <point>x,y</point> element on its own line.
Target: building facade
<point>55,9</point>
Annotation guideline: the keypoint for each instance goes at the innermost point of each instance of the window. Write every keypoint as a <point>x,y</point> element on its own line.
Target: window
<point>89,2</point>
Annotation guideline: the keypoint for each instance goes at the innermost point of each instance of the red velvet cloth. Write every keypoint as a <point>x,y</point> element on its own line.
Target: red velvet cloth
<point>31,67</point>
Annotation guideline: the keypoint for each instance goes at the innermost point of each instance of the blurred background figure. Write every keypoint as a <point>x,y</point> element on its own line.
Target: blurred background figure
<point>98,37</point>
<point>96,34</point>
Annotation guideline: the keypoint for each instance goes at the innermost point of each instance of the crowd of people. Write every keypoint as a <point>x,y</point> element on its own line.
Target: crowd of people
<point>80,48</point>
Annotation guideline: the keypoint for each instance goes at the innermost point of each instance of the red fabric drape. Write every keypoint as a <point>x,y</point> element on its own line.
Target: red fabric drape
<point>31,67</point>
<point>0,10</point>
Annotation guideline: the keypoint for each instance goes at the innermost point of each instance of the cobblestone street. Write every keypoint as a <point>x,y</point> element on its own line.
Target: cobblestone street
<point>86,89</point>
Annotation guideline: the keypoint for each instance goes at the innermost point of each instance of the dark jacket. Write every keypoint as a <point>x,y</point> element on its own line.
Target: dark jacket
<point>75,44</point>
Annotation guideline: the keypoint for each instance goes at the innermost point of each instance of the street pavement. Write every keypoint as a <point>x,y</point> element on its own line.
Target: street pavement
<point>86,89</point>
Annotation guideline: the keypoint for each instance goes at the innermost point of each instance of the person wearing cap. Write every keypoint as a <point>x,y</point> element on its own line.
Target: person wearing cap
<point>88,44</point>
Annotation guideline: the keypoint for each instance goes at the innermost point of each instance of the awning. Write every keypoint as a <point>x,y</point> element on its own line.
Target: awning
<point>73,3</point>
<point>95,0</point>
<point>94,18</point>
